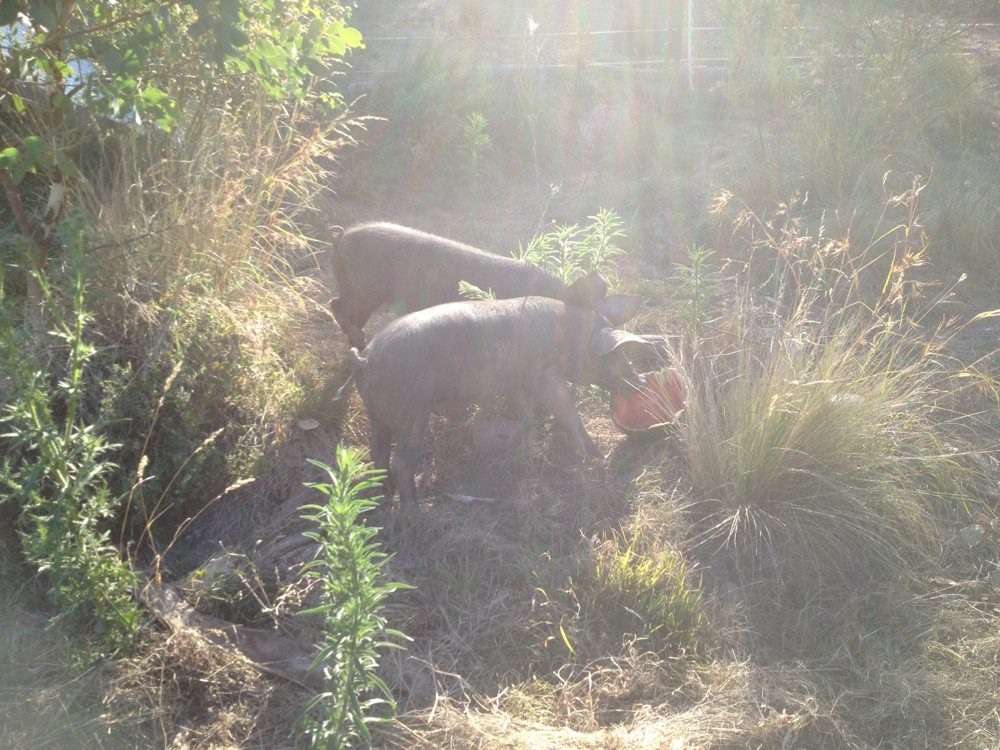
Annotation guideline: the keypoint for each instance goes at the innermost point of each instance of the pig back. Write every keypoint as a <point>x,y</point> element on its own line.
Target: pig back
<point>405,266</point>
<point>462,352</point>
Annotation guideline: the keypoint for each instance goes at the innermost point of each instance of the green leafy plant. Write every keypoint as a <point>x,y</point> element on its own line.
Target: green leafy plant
<point>202,287</point>
<point>143,62</point>
<point>473,146</point>
<point>57,465</point>
<point>348,567</point>
<point>643,583</point>
<point>570,251</point>
<point>694,285</point>
<point>471,291</point>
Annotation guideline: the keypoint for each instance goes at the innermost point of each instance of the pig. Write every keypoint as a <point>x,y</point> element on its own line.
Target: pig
<point>459,353</point>
<point>382,262</point>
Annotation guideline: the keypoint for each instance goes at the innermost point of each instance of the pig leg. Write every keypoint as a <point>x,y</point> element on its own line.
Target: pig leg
<point>555,396</point>
<point>522,408</point>
<point>406,461</point>
<point>380,444</point>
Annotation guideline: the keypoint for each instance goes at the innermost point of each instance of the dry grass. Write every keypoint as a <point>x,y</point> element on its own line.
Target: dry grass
<point>810,503</point>
<point>881,684</point>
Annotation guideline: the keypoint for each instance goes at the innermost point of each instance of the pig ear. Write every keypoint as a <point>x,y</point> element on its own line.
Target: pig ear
<point>618,308</point>
<point>598,286</point>
<point>606,340</point>
<point>586,290</point>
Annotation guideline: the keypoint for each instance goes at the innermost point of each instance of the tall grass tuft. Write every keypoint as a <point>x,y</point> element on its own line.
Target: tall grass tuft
<point>222,202</point>
<point>818,428</point>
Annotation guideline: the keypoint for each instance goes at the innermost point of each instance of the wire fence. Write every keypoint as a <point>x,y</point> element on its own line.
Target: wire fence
<point>704,53</point>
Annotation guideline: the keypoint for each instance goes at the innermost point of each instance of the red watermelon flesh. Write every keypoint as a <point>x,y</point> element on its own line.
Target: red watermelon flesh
<point>658,400</point>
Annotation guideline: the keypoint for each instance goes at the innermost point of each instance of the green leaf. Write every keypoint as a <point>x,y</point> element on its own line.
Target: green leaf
<point>316,27</point>
<point>153,96</point>
<point>33,148</point>
<point>132,64</point>
<point>317,67</point>
<point>276,58</point>
<point>256,60</point>
<point>159,106</point>
<point>65,164</point>
<point>9,157</point>
<point>562,632</point>
<point>351,37</point>
<point>336,46</point>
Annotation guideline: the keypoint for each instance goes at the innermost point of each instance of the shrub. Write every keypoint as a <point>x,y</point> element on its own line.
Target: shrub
<point>57,464</point>
<point>205,291</point>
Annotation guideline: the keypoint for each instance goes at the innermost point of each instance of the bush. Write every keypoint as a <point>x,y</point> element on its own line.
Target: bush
<point>206,297</point>
<point>58,466</point>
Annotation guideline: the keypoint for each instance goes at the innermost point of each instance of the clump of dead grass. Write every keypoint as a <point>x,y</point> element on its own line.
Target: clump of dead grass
<point>184,691</point>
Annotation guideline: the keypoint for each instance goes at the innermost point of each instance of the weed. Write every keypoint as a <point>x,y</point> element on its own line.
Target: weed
<point>570,251</point>
<point>57,466</point>
<point>628,591</point>
<point>473,146</point>
<point>347,569</point>
<point>695,287</point>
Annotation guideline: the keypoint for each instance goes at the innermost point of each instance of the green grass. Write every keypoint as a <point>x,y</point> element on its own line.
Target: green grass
<point>626,591</point>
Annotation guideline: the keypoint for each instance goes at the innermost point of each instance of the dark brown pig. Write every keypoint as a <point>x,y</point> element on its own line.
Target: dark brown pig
<point>383,263</point>
<point>463,352</point>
